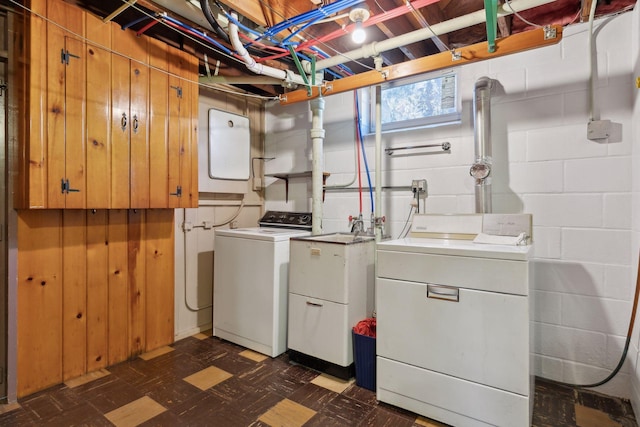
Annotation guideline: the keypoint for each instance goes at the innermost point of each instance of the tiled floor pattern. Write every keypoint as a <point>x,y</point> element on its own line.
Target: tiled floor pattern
<point>203,381</point>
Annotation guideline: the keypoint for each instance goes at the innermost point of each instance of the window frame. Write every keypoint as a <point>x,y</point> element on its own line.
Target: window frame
<point>368,97</point>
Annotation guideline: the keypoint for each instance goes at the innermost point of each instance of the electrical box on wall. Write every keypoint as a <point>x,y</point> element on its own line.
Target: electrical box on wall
<point>224,150</point>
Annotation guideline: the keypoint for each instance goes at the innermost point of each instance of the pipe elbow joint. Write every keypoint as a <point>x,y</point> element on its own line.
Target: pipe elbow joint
<point>484,83</point>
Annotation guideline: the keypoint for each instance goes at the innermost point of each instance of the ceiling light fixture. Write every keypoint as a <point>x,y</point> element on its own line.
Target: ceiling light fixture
<point>359,14</point>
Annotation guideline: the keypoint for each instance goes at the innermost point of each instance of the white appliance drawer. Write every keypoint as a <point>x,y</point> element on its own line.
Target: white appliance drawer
<point>481,337</point>
<point>320,328</point>
<point>496,275</point>
<point>448,399</point>
<point>334,272</point>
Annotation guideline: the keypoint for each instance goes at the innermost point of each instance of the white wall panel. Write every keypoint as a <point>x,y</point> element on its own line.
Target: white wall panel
<point>605,246</point>
<point>609,174</point>
<point>565,210</point>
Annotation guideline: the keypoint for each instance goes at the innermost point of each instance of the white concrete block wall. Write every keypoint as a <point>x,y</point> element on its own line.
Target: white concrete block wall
<point>581,193</point>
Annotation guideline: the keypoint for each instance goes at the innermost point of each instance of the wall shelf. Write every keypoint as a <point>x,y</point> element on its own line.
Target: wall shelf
<point>287,176</point>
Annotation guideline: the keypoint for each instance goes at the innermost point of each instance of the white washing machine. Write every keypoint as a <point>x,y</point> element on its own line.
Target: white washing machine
<point>251,281</point>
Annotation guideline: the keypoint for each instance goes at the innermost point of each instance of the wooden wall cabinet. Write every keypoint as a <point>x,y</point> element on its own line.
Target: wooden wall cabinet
<point>96,265</point>
<point>119,128</point>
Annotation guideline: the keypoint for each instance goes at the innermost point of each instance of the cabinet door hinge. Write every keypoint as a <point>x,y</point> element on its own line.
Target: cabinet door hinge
<point>65,56</point>
<point>178,90</point>
<point>65,187</point>
<point>178,192</point>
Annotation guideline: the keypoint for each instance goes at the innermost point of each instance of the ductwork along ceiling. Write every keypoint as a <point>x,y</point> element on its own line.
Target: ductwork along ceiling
<point>320,31</point>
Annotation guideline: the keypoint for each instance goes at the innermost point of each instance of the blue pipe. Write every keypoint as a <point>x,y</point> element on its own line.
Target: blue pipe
<point>240,25</point>
<point>304,27</point>
<point>314,14</point>
<point>134,22</point>
<point>200,34</point>
<point>364,153</point>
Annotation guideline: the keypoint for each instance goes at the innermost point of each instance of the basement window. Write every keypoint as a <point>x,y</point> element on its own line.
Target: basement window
<point>423,101</point>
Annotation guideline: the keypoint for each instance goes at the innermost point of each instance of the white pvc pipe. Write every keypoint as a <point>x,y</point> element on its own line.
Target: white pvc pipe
<point>378,148</point>
<point>317,164</point>
<point>252,65</point>
<point>376,48</point>
<point>378,152</point>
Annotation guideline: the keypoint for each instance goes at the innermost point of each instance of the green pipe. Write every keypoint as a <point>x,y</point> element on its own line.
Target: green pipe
<point>491,9</point>
<point>300,69</point>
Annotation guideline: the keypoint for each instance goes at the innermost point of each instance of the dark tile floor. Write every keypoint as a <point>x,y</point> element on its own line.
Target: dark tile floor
<point>203,381</point>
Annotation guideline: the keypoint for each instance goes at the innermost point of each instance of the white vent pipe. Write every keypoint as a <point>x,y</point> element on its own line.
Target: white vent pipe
<point>287,77</point>
<point>481,168</point>
<point>376,48</point>
<point>317,163</point>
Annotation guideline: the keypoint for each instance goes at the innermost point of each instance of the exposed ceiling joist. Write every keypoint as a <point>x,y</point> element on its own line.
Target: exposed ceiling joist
<point>469,54</point>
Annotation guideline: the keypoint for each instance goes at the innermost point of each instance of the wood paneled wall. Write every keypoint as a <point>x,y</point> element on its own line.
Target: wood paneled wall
<point>95,287</point>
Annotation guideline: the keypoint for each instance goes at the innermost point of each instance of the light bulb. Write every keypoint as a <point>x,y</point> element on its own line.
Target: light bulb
<point>358,35</point>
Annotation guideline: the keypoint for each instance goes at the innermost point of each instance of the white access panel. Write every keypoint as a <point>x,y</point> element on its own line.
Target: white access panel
<point>482,337</point>
<point>229,143</point>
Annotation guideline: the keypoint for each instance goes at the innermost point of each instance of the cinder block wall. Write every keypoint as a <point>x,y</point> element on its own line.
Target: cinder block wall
<point>579,192</point>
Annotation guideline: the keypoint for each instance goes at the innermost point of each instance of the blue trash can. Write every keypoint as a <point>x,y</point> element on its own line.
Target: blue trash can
<point>364,354</point>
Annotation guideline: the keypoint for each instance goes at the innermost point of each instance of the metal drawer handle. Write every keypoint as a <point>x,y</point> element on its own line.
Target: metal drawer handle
<point>443,292</point>
<point>314,304</point>
<point>123,122</point>
<point>135,123</point>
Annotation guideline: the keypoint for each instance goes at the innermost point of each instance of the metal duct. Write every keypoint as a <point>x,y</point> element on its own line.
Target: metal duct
<point>481,168</point>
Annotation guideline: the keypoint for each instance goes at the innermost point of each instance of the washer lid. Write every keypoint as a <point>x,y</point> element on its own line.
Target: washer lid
<point>262,233</point>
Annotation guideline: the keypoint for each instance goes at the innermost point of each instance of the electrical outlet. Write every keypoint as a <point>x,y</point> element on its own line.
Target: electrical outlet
<point>419,186</point>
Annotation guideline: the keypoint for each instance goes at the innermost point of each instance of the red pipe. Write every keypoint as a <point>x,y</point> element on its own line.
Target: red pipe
<point>146,27</point>
<point>381,17</point>
<point>374,20</point>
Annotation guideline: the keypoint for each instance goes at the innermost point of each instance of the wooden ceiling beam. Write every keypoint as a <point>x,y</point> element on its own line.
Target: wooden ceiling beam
<point>400,25</point>
<point>584,11</point>
<point>478,52</point>
<point>390,34</point>
<point>433,15</point>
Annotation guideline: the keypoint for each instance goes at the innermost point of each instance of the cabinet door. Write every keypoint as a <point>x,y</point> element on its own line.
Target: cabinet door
<point>120,122</point>
<point>130,143</point>
<point>32,190</point>
<point>158,125</point>
<point>98,124</point>
<point>176,126</point>
<point>139,148</point>
<point>190,158</point>
<point>65,105</point>
<point>183,115</point>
